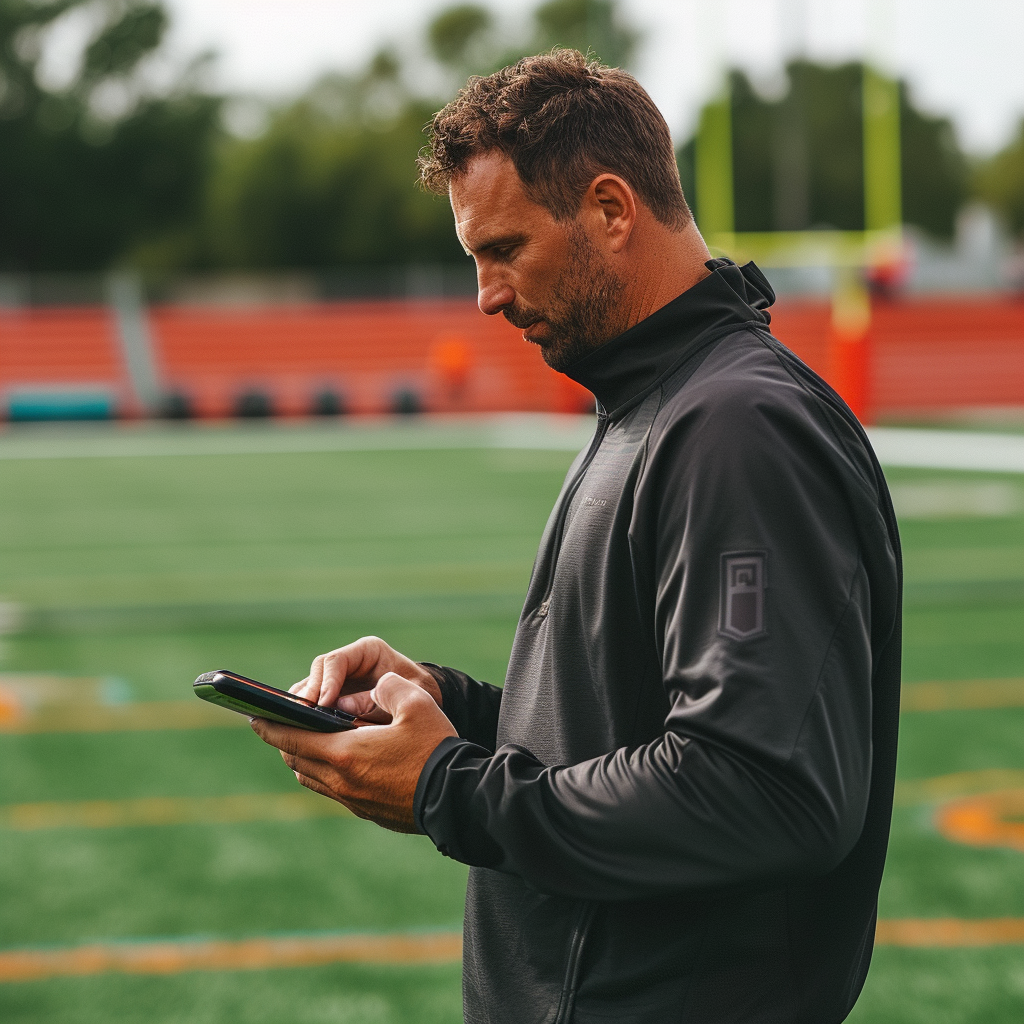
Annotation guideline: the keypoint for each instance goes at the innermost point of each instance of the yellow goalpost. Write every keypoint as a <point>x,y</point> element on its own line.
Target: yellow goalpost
<point>848,253</point>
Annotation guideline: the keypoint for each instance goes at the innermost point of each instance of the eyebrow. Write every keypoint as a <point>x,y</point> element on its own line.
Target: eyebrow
<point>498,242</point>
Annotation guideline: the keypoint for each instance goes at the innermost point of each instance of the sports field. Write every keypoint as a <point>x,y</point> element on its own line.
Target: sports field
<point>155,857</point>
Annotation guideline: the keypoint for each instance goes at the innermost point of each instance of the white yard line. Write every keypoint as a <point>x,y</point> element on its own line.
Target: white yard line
<point>948,449</point>
<point>895,446</point>
<point>523,431</point>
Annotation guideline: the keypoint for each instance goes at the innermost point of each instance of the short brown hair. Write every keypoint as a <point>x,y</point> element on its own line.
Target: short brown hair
<point>561,119</point>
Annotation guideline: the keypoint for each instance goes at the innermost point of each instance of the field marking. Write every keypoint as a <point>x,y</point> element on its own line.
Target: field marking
<point>146,716</point>
<point>895,446</point>
<point>987,819</point>
<point>177,956</point>
<point>963,695</point>
<point>301,805</point>
<point>950,932</point>
<point>946,787</point>
<point>192,714</point>
<point>990,787</point>
<point>955,499</point>
<point>948,449</point>
<point>536,431</point>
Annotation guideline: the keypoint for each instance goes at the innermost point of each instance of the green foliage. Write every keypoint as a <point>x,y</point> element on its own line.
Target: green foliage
<point>98,166</point>
<point>999,181</point>
<point>322,189</point>
<point>331,182</point>
<point>123,42</point>
<point>798,159</point>
<point>586,25</point>
<point>936,179</point>
<point>105,172</point>
<point>452,33</point>
<point>468,40</point>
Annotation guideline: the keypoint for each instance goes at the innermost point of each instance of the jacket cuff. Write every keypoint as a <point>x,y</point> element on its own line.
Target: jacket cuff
<point>449,693</point>
<point>440,757</point>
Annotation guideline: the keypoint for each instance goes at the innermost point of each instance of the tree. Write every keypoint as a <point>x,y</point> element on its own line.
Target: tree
<point>331,182</point>
<point>999,181</point>
<point>798,159</point>
<point>467,40</point>
<point>105,170</point>
<point>99,165</point>
<point>586,25</point>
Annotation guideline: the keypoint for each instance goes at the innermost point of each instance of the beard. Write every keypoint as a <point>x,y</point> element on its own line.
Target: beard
<point>585,310</point>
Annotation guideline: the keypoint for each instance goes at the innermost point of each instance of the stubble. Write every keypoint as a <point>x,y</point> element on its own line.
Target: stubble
<point>585,309</point>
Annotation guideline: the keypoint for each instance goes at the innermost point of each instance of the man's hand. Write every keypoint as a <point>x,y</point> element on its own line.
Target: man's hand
<point>343,678</point>
<point>372,769</point>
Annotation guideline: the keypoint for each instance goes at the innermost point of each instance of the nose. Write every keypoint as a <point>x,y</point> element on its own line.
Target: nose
<point>493,293</point>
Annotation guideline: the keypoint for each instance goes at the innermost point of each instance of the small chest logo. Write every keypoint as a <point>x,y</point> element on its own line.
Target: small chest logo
<point>742,601</point>
<point>591,502</point>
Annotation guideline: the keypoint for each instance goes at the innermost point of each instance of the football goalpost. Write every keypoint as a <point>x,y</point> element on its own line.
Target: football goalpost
<point>849,254</point>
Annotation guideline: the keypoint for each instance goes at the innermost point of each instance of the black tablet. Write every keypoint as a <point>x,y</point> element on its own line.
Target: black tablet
<point>247,696</point>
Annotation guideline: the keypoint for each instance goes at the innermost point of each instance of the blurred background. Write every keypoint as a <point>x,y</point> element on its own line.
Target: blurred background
<point>250,412</point>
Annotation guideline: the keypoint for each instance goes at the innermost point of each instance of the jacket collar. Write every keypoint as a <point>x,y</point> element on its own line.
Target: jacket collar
<point>628,366</point>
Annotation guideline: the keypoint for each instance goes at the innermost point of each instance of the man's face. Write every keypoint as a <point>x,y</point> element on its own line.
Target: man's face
<point>549,278</point>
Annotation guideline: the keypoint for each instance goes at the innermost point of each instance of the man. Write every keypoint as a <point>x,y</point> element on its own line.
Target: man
<point>678,807</point>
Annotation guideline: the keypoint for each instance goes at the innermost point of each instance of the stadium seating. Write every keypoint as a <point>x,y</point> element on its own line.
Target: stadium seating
<point>926,355</point>
<point>61,363</point>
<point>368,352</point>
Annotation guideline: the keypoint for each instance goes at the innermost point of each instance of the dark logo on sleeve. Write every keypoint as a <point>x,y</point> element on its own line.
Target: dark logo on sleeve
<point>742,601</point>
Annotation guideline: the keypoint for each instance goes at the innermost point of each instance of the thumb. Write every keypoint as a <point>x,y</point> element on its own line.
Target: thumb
<point>395,694</point>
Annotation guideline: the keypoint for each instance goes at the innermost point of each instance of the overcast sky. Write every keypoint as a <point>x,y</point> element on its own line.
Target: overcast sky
<point>962,58</point>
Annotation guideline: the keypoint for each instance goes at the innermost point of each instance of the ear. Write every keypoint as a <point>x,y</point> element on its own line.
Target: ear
<point>613,205</point>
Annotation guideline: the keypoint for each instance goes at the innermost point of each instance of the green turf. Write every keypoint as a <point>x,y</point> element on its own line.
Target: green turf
<point>333,874</point>
<point>154,569</point>
<point>963,986</point>
<point>341,994</point>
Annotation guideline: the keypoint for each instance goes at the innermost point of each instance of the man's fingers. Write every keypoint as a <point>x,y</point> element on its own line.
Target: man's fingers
<point>311,684</point>
<point>394,695</point>
<point>314,746</point>
<point>337,669</point>
<point>300,688</point>
<point>356,665</point>
<point>356,703</point>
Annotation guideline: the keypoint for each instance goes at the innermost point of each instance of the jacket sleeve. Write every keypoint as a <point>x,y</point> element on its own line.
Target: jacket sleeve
<point>749,526</point>
<point>471,706</point>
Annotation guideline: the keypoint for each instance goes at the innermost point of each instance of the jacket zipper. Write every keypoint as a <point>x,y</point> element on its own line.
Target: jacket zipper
<point>595,443</point>
<point>567,1000</point>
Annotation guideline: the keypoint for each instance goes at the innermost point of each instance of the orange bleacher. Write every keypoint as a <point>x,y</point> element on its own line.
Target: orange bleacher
<point>62,347</point>
<point>368,351</point>
<point>948,353</point>
<point>927,354</point>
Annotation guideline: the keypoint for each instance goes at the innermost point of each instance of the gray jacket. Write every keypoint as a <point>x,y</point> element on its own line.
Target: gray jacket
<point>678,807</point>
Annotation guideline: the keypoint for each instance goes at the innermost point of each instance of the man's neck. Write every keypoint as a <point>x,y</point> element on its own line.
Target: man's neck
<point>665,264</point>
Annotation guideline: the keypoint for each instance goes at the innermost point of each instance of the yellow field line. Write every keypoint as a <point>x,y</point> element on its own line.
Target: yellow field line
<point>146,716</point>
<point>302,804</point>
<point>164,810</point>
<point>950,932</point>
<point>966,695</point>
<point>174,957</point>
<point>946,787</point>
<point>177,956</point>
<point>195,714</point>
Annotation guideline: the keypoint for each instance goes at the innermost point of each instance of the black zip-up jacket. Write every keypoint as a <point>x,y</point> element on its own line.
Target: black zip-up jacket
<point>678,808</point>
